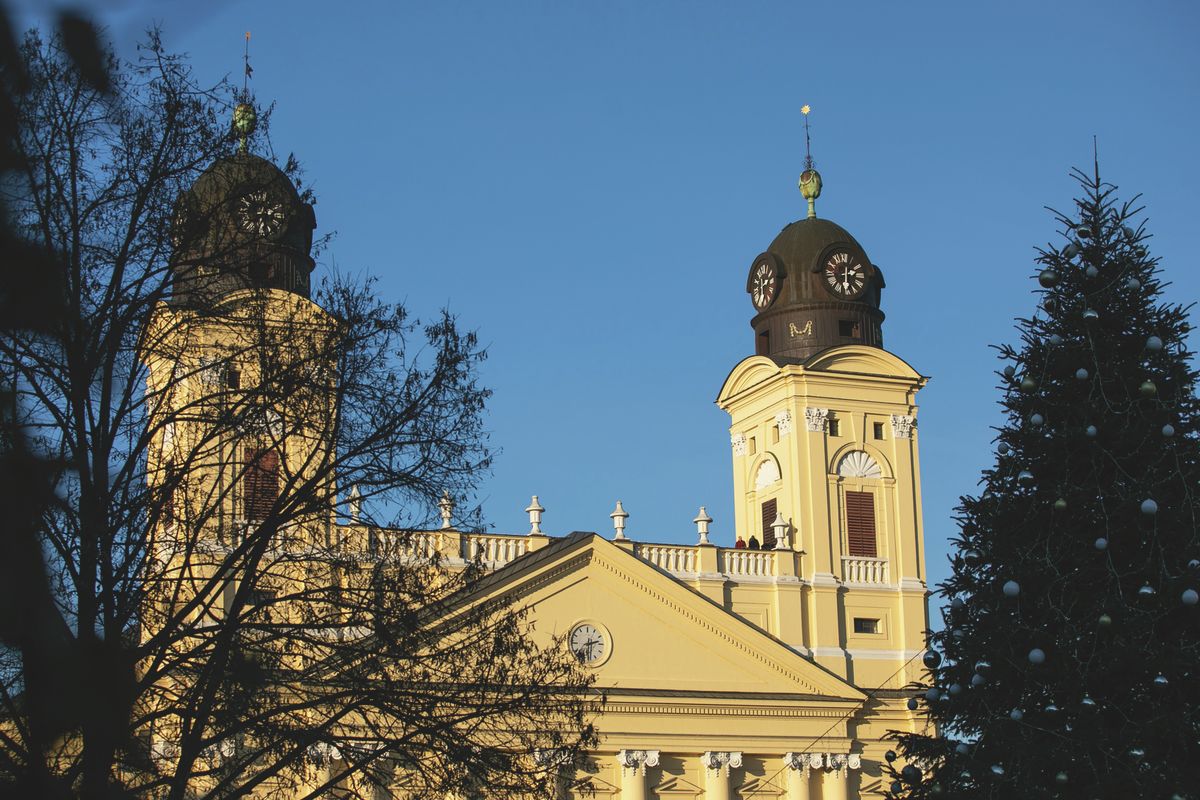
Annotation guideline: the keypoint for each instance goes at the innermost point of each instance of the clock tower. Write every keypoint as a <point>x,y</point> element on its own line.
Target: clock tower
<point>823,432</point>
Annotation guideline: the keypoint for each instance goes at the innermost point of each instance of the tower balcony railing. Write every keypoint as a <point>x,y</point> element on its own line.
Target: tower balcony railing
<point>675,559</point>
<point>748,563</point>
<point>864,570</point>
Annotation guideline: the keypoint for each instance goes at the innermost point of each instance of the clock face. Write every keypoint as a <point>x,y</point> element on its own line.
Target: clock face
<point>845,275</point>
<point>588,644</point>
<point>764,282</point>
<point>259,214</point>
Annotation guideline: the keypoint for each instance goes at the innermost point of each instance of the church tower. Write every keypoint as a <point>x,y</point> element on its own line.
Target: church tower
<point>823,431</point>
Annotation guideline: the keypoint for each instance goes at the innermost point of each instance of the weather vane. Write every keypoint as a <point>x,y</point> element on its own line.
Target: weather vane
<point>810,179</point>
<point>245,118</point>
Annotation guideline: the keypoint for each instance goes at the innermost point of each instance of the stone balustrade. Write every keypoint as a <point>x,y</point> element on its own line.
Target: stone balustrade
<point>749,563</point>
<point>672,558</point>
<point>863,570</point>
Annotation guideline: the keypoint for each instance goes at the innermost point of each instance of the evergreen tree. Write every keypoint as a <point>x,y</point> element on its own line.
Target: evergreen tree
<point>1067,667</point>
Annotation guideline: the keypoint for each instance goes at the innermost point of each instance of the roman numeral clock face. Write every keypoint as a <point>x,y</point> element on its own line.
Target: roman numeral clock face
<point>764,282</point>
<point>845,275</point>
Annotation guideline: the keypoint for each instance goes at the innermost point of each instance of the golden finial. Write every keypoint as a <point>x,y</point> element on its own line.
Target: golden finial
<point>810,179</point>
<point>245,118</point>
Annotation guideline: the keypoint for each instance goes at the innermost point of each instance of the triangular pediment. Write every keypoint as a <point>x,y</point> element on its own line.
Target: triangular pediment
<point>662,636</point>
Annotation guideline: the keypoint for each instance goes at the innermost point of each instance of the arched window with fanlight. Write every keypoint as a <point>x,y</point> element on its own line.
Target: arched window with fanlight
<point>767,480</point>
<point>861,534</point>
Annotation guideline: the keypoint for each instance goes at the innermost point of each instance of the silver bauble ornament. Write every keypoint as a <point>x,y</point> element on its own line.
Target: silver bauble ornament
<point>1083,232</point>
<point>1133,283</point>
<point>1048,278</point>
<point>957,603</point>
<point>1037,656</point>
<point>1081,374</point>
<point>1025,476</point>
<point>955,689</point>
<point>1055,339</point>
<point>1061,778</point>
<point>931,695</point>
<point>1028,384</point>
<point>1189,597</point>
<point>978,680</point>
<point>1160,681</point>
<point>1137,753</point>
<point>1101,543</point>
<point>890,755</point>
<point>1091,271</point>
<point>1011,588</point>
<point>997,769</point>
<point>1060,504</point>
<point>1168,430</point>
<point>982,667</point>
<point>1050,709</point>
<point>1128,231</point>
<point>1090,315</point>
<point>1154,344</point>
<point>1003,449</point>
<point>1194,565</point>
<point>1016,715</point>
<point>1009,371</point>
<point>1149,507</point>
<point>1148,389</point>
<point>1036,419</point>
<point>1088,703</point>
<point>1104,621</point>
<point>962,748</point>
<point>1091,431</point>
<point>1146,591</point>
<point>912,704</point>
<point>932,658</point>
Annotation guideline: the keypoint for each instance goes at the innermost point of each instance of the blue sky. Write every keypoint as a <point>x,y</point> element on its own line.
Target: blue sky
<point>586,183</point>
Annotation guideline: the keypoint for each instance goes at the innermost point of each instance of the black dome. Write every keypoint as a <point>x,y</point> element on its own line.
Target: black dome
<point>242,224</point>
<point>804,316</point>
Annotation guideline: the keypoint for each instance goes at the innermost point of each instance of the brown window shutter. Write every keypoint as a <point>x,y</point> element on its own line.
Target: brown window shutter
<point>860,524</point>
<point>769,510</point>
<point>260,483</point>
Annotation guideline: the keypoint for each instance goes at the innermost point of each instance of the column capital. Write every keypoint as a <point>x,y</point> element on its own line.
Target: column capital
<point>638,759</point>
<point>723,760</point>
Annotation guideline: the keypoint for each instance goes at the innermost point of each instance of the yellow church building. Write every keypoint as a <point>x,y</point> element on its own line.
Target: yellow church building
<point>773,670</point>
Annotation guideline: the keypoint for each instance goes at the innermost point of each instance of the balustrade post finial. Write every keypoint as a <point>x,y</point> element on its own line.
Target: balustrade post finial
<point>780,527</point>
<point>702,520</point>
<point>619,515</point>
<point>355,503</point>
<point>535,516</point>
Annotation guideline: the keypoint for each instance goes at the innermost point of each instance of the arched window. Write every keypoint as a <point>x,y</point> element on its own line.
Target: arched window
<point>768,473</point>
<point>260,483</point>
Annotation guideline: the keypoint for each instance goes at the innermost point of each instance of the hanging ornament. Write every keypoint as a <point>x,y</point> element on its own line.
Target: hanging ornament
<point>1089,315</point>
<point>1036,419</point>
<point>1154,344</point>
<point>1003,449</point>
<point>1037,656</point>
<point>1128,231</point>
<point>1071,250</point>
<point>1047,278</point>
<point>1137,753</point>
<point>982,667</point>
<point>1025,476</point>
<point>1016,715</point>
<point>931,695</point>
<point>1189,597</point>
<point>1088,703</point>
<point>972,555</point>
<point>1028,384</point>
<point>1091,431</point>
<point>1060,504</point>
<point>1104,621</point>
<point>1061,778</point>
<point>1083,233</point>
<point>1081,374</point>
<point>1100,544</point>
<point>897,787</point>
<point>997,770</point>
<point>1160,681</point>
<point>1146,591</point>
<point>1091,271</point>
<point>957,604</point>
<point>890,755</point>
<point>955,689</point>
<point>1050,709</point>
<point>978,680</point>
<point>1133,283</point>
<point>1149,507</point>
<point>962,748</point>
<point>932,658</point>
<point>1009,371</point>
<point>910,773</point>
<point>1148,389</point>
<point>1055,339</point>
<point>912,704</point>
<point>1011,589</point>
<point>1168,430</point>
<point>1194,565</point>
<point>1141,251</point>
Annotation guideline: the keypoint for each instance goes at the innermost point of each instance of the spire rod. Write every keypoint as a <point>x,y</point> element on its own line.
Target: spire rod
<point>245,118</point>
<point>810,179</point>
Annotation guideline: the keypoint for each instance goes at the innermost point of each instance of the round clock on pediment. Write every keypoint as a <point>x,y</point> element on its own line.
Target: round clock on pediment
<point>845,273</point>
<point>764,280</point>
<point>590,643</point>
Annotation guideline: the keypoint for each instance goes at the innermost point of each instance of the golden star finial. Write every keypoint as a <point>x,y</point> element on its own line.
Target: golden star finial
<point>804,109</point>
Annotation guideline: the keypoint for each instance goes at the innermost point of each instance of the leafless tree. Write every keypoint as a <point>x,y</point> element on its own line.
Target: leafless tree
<point>213,617</point>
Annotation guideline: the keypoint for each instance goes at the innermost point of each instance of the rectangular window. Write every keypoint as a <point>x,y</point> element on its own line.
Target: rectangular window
<point>834,428</point>
<point>764,343</point>
<point>769,510</point>
<point>260,483</point>
<point>233,378</point>
<point>878,430</point>
<point>866,625</point>
<point>751,446</point>
<point>860,524</point>
<point>849,328</point>
<point>774,434</point>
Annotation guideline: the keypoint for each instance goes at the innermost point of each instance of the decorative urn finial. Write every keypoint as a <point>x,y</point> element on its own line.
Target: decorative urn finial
<point>810,179</point>
<point>245,121</point>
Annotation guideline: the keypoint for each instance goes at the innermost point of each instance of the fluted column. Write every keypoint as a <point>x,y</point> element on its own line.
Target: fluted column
<point>633,772</point>
<point>716,773</point>
<point>797,775</point>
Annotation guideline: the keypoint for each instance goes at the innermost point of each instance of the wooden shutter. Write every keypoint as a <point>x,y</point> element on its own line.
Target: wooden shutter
<point>260,483</point>
<point>769,510</point>
<point>860,524</point>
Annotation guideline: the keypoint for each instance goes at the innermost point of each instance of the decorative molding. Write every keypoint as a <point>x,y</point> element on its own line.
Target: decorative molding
<point>638,760</point>
<point>722,760</point>
<point>768,473</point>
<point>859,464</point>
<point>738,440</point>
<point>784,421</point>
<point>816,419</point>
<point>903,425</point>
